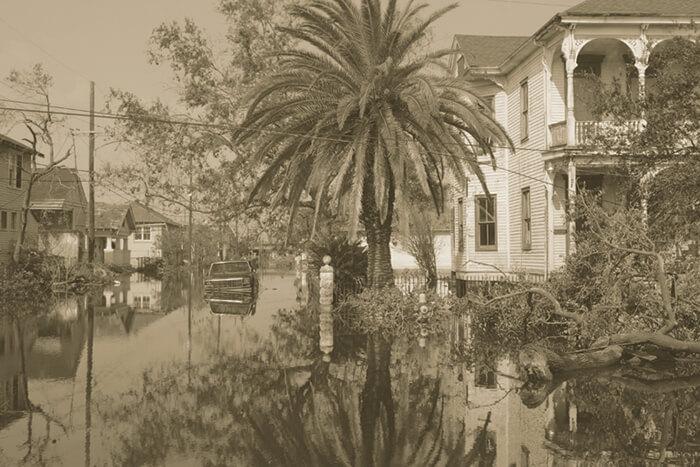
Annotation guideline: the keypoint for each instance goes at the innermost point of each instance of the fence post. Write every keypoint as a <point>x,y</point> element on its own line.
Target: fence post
<point>304,263</point>
<point>325,318</point>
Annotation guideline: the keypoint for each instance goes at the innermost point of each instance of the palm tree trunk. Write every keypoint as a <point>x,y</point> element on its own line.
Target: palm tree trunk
<point>378,232</point>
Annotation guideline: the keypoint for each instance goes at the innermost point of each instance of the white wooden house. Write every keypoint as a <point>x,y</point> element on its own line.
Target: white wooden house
<point>534,88</point>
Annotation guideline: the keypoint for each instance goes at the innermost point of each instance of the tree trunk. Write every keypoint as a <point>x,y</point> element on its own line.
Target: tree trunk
<point>24,219</point>
<point>378,232</point>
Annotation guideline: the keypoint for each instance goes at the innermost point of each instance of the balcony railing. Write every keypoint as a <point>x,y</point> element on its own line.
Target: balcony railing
<point>588,131</point>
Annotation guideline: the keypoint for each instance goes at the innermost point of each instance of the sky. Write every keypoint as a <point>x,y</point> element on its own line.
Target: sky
<point>106,41</point>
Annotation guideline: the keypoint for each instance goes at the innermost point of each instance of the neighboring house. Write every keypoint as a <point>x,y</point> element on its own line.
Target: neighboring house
<point>402,259</point>
<point>113,225</point>
<point>535,87</point>
<point>59,205</point>
<point>15,160</point>
<point>145,240</point>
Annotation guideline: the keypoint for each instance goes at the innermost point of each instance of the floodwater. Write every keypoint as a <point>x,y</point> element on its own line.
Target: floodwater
<point>144,379</point>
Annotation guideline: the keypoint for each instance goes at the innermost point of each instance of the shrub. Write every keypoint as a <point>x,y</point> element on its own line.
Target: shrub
<point>349,261</point>
<point>390,313</point>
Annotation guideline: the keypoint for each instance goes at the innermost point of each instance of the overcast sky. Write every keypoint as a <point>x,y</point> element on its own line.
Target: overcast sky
<point>106,41</point>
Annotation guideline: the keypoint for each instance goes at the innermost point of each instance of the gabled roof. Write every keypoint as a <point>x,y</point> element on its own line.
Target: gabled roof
<point>113,216</point>
<point>635,8</point>
<point>58,186</point>
<point>145,215</point>
<point>487,51</point>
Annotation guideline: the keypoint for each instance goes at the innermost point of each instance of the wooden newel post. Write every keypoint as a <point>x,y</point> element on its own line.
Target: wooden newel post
<point>325,318</point>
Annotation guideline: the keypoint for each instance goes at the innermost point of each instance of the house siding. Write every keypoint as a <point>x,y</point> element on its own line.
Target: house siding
<point>146,248</point>
<point>11,200</point>
<point>526,166</point>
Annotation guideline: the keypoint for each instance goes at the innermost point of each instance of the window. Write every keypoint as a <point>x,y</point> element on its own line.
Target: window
<point>524,110</point>
<point>13,221</point>
<point>143,303</point>
<point>460,224</point>
<point>486,223</point>
<point>484,377</point>
<point>15,171</point>
<point>142,233</point>
<point>526,234</point>
<point>3,220</point>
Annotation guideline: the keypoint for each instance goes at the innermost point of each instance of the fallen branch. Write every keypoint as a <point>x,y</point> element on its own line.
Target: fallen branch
<point>558,310</point>
<point>656,338</point>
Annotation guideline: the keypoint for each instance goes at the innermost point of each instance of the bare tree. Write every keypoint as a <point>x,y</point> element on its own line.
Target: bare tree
<point>36,83</point>
<point>420,242</point>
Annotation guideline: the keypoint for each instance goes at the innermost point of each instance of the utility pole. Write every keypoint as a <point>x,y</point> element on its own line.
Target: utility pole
<point>91,169</point>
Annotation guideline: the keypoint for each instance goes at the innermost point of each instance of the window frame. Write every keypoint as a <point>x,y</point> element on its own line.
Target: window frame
<point>524,110</point>
<point>140,234</point>
<point>460,224</point>
<point>4,220</point>
<point>477,223</point>
<point>13,220</point>
<point>526,221</point>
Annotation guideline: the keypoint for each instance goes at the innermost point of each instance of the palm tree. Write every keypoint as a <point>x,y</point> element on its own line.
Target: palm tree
<point>356,113</point>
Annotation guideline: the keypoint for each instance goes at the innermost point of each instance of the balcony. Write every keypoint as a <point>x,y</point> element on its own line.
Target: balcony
<point>587,131</point>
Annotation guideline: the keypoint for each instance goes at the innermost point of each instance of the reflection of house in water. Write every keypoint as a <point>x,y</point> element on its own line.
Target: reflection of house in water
<point>60,340</point>
<point>515,433</point>
<point>11,381</point>
<point>145,294</point>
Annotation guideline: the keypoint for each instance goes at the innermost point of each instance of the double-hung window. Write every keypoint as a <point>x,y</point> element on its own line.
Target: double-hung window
<point>460,224</point>
<point>524,110</point>
<point>486,222</point>
<point>526,232</point>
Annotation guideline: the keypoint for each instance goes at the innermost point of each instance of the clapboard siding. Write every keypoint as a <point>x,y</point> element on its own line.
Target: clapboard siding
<point>526,165</point>
<point>11,200</point>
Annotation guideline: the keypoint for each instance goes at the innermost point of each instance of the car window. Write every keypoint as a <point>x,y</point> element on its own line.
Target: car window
<point>230,268</point>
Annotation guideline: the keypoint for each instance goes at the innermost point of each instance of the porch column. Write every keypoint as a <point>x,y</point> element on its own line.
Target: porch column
<point>570,119</point>
<point>549,219</point>
<point>571,191</point>
<point>641,66</point>
<point>108,246</point>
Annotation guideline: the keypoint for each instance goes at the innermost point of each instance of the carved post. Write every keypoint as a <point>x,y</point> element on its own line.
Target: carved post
<point>570,118</point>
<point>325,318</point>
<point>571,188</point>
<point>569,49</point>
<point>304,279</point>
<point>423,316</point>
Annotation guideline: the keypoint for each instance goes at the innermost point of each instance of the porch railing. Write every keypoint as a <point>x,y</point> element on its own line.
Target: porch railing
<point>587,131</point>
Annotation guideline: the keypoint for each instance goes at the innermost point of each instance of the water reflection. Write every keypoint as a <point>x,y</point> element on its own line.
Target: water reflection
<point>129,386</point>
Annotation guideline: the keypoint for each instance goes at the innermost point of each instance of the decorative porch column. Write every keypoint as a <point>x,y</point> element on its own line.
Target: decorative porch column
<point>568,48</point>
<point>641,66</point>
<point>108,246</point>
<point>571,189</point>
<point>570,118</point>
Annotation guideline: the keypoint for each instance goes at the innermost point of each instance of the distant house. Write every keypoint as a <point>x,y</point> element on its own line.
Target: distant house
<point>113,225</point>
<point>150,225</point>
<point>15,157</point>
<point>59,206</point>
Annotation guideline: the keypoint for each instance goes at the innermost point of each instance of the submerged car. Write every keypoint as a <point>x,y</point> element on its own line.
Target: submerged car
<point>228,281</point>
<point>242,304</point>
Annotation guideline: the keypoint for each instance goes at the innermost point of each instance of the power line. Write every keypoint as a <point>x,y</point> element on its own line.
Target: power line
<point>41,48</point>
<point>534,3</point>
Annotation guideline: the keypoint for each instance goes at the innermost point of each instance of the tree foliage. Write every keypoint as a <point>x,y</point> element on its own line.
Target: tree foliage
<point>355,111</point>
